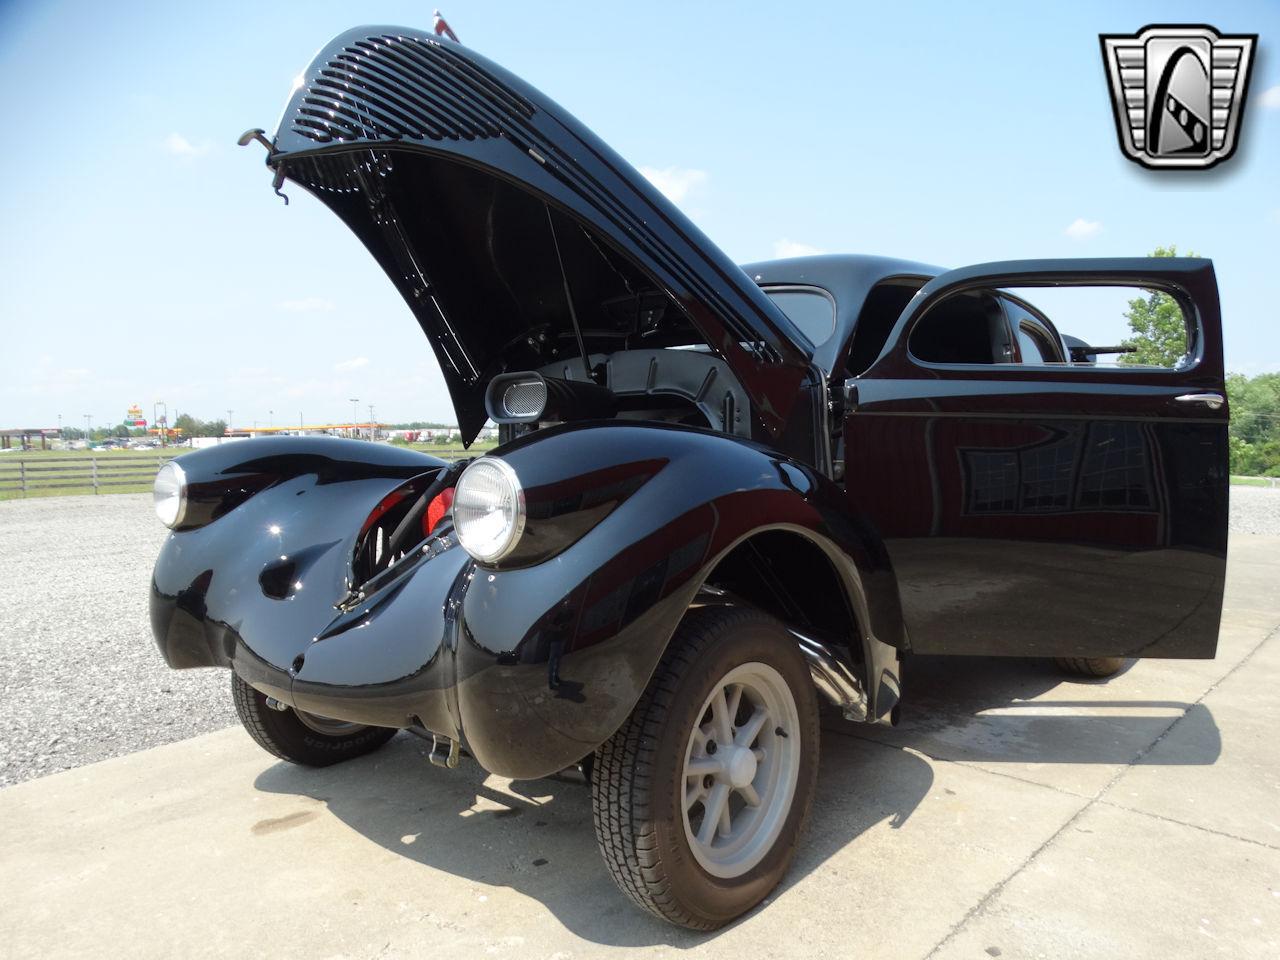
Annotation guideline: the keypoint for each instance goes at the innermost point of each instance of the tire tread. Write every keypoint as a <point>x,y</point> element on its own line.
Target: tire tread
<point>624,769</point>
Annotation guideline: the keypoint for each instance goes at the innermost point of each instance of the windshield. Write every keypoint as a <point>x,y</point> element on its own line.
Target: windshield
<point>811,309</point>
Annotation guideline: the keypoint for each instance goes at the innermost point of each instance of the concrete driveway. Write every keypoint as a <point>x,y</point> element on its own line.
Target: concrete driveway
<point>1012,815</point>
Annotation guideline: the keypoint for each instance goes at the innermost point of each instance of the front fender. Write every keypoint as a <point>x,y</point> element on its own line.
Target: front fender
<point>253,585</point>
<point>552,657</point>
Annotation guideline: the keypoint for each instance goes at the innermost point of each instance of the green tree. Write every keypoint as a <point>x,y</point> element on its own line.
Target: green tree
<point>194,427</point>
<point>1255,424</point>
<point>1159,331</point>
<point>188,424</point>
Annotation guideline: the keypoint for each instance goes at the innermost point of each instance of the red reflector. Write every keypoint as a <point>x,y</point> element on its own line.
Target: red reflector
<point>436,511</point>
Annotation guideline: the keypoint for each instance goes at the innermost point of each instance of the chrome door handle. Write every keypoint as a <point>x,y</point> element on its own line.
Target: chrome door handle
<point>1213,401</point>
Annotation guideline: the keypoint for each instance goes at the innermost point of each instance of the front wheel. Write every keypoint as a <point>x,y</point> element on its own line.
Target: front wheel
<point>299,737</point>
<point>700,798</point>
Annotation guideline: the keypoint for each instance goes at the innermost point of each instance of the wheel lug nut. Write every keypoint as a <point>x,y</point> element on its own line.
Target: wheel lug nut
<point>708,781</point>
<point>711,747</point>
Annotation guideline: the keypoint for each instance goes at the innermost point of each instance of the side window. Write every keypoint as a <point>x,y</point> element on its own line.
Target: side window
<point>1072,326</point>
<point>1102,326</point>
<point>880,311</point>
<point>1029,347</point>
<point>811,309</point>
<point>966,328</point>
<point>1037,342</point>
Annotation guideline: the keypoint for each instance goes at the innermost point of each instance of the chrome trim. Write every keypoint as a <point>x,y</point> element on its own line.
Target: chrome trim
<point>518,526</point>
<point>444,751</point>
<point>834,676</point>
<point>182,492</point>
<point>1213,401</point>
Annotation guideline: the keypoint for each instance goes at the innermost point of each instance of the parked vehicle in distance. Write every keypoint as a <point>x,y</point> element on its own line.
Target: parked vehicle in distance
<point>722,495</point>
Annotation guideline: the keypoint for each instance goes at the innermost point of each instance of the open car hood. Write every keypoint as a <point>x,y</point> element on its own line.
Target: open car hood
<point>493,210</point>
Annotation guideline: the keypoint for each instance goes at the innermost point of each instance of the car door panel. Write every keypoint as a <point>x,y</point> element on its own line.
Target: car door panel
<point>1050,511</point>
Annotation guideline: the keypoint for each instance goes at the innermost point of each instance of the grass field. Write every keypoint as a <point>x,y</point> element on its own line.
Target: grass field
<point>86,454</point>
<point>1253,481</point>
<point>109,462</point>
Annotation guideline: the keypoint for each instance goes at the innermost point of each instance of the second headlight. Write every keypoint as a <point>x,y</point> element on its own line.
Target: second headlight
<point>169,492</point>
<point>488,509</point>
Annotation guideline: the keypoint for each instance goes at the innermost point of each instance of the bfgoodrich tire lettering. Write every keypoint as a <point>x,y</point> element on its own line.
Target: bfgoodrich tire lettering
<point>284,735</point>
<point>639,780</point>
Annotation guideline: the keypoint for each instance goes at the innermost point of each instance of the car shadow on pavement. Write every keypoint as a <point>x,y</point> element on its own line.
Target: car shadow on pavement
<point>1007,710</point>
<point>536,837</point>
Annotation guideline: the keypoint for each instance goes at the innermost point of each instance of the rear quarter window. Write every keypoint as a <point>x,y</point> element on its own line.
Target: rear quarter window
<point>811,309</point>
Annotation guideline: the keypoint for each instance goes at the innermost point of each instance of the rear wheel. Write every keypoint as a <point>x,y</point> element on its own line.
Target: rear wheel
<point>1092,667</point>
<point>700,798</point>
<point>302,737</point>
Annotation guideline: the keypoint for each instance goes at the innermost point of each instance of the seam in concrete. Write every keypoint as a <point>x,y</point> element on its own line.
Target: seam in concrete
<point>981,906</point>
<point>1193,826</point>
<point>977,765</point>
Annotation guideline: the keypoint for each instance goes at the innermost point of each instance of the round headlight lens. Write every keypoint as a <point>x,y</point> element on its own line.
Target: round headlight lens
<point>170,494</point>
<point>488,509</point>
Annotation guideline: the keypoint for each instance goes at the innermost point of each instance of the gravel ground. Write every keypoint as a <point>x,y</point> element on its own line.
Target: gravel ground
<point>80,679</point>
<point>1255,510</point>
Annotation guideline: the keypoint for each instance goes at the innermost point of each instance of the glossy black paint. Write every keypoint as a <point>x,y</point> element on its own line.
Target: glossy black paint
<point>391,121</point>
<point>251,587</point>
<point>532,665</point>
<point>1112,541</point>
<point>461,180</point>
<point>849,279</point>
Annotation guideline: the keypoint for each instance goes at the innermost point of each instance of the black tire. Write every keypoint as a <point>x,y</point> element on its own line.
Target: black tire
<point>284,735</point>
<point>637,786</point>
<point>1095,668</point>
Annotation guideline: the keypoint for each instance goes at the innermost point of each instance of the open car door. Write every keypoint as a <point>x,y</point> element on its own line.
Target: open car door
<point>1035,501</point>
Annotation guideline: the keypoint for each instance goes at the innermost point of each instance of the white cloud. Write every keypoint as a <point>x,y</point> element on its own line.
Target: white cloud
<point>355,363</point>
<point>307,305</point>
<point>1271,97</point>
<point>180,146</point>
<point>792,248</point>
<point>676,182</point>
<point>1081,229</point>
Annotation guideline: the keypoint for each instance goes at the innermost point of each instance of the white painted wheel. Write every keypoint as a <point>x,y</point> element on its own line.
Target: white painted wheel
<point>740,770</point>
<point>700,797</point>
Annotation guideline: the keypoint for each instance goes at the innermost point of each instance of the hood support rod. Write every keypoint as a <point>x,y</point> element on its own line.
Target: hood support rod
<point>568,296</point>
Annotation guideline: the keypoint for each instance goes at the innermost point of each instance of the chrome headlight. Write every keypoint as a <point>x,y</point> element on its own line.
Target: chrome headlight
<point>488,509</point>
<point>170,494</point>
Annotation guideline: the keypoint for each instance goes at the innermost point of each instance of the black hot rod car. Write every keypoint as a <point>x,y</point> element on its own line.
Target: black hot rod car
<point>721,493</point>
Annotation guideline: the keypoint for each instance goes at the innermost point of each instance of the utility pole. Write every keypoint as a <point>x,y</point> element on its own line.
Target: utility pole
<point>355,415</point>
<point>229,412</point>
<point>88,427</point>
<point>157,422</point>
<point>373,425</point>
<point>271,418</point>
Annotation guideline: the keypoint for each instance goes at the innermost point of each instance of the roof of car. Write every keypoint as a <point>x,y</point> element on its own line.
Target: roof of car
<point>847,277</point>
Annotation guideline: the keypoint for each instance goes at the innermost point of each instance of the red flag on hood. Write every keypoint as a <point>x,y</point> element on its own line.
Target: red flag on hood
<point>443,29</point>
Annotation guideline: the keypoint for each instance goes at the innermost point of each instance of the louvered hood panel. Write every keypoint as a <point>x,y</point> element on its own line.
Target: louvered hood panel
<point>460,179</point>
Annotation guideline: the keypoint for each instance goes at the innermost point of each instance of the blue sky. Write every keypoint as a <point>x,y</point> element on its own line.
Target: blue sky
<point>144,257</point>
